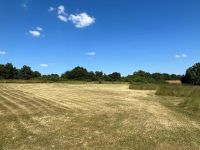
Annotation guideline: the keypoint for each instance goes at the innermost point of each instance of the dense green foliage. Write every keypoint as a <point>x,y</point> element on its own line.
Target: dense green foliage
<point>81,74</point>
<point>9,72</point>
<point>146,77</point>
<point>192,75</point>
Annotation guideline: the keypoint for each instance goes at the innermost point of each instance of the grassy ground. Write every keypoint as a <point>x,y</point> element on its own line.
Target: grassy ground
<point>92,116</point>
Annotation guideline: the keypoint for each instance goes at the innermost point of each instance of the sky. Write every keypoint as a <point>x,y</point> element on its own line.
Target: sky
<point>53,36</point>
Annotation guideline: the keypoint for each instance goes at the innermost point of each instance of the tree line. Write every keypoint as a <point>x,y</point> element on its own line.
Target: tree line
<point>9,72</point>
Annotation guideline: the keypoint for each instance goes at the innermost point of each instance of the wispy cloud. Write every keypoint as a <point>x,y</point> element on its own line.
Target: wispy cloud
<point>25,4</point>
<point>61,10</point>
<point>180,56</point>
<point>51,9</point>
<point>39,28</point>
<point>91,53</point>
<point>62,15</point>
<point>81,20</point>
<point>62,18</point>
<point>44,65</point>
<point>2,52</point>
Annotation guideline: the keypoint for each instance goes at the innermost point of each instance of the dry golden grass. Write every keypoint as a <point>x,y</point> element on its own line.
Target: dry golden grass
<point>90,116</point>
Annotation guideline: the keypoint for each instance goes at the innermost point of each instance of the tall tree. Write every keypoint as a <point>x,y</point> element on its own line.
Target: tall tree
<point>26,73</point>
<point>192,75</point>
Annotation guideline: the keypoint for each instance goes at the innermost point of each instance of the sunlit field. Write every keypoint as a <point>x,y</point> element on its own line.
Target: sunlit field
<point>92,116</point>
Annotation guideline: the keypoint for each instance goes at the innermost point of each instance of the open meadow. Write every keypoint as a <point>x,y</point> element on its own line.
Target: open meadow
<point>92,116</point>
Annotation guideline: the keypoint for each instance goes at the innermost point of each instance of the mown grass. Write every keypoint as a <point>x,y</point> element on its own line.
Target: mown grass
<point>89,116</point>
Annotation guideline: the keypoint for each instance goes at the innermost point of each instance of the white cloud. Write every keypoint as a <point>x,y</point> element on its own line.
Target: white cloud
<point>2,52</point>
<point>82,20</point>
<point>34,33</point>
<point>62,18</point>
<point>180,56</point>
<point>91,53</point>
<point>44,65</point>
<point>51,9</point>
<point>39,28</point>
<point>61,10</point>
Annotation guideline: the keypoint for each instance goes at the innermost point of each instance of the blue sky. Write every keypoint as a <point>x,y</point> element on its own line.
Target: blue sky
<point>53,36</point>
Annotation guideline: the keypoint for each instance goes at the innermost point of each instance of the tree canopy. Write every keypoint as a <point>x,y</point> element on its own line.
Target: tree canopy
<point>8,71</point>
<point>192,75</point>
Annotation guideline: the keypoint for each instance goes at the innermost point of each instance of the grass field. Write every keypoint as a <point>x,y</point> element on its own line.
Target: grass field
<point>92,116</point>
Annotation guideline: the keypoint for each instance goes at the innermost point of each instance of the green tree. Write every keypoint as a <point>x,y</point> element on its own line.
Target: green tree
<point>78,73</point>
<point>36,74</point>
<point>192,75</point>
<point>51,77</point>
<point>99,75</point>
<point>115,76</point>
<point>9,72</point>
<point>26,73</point>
